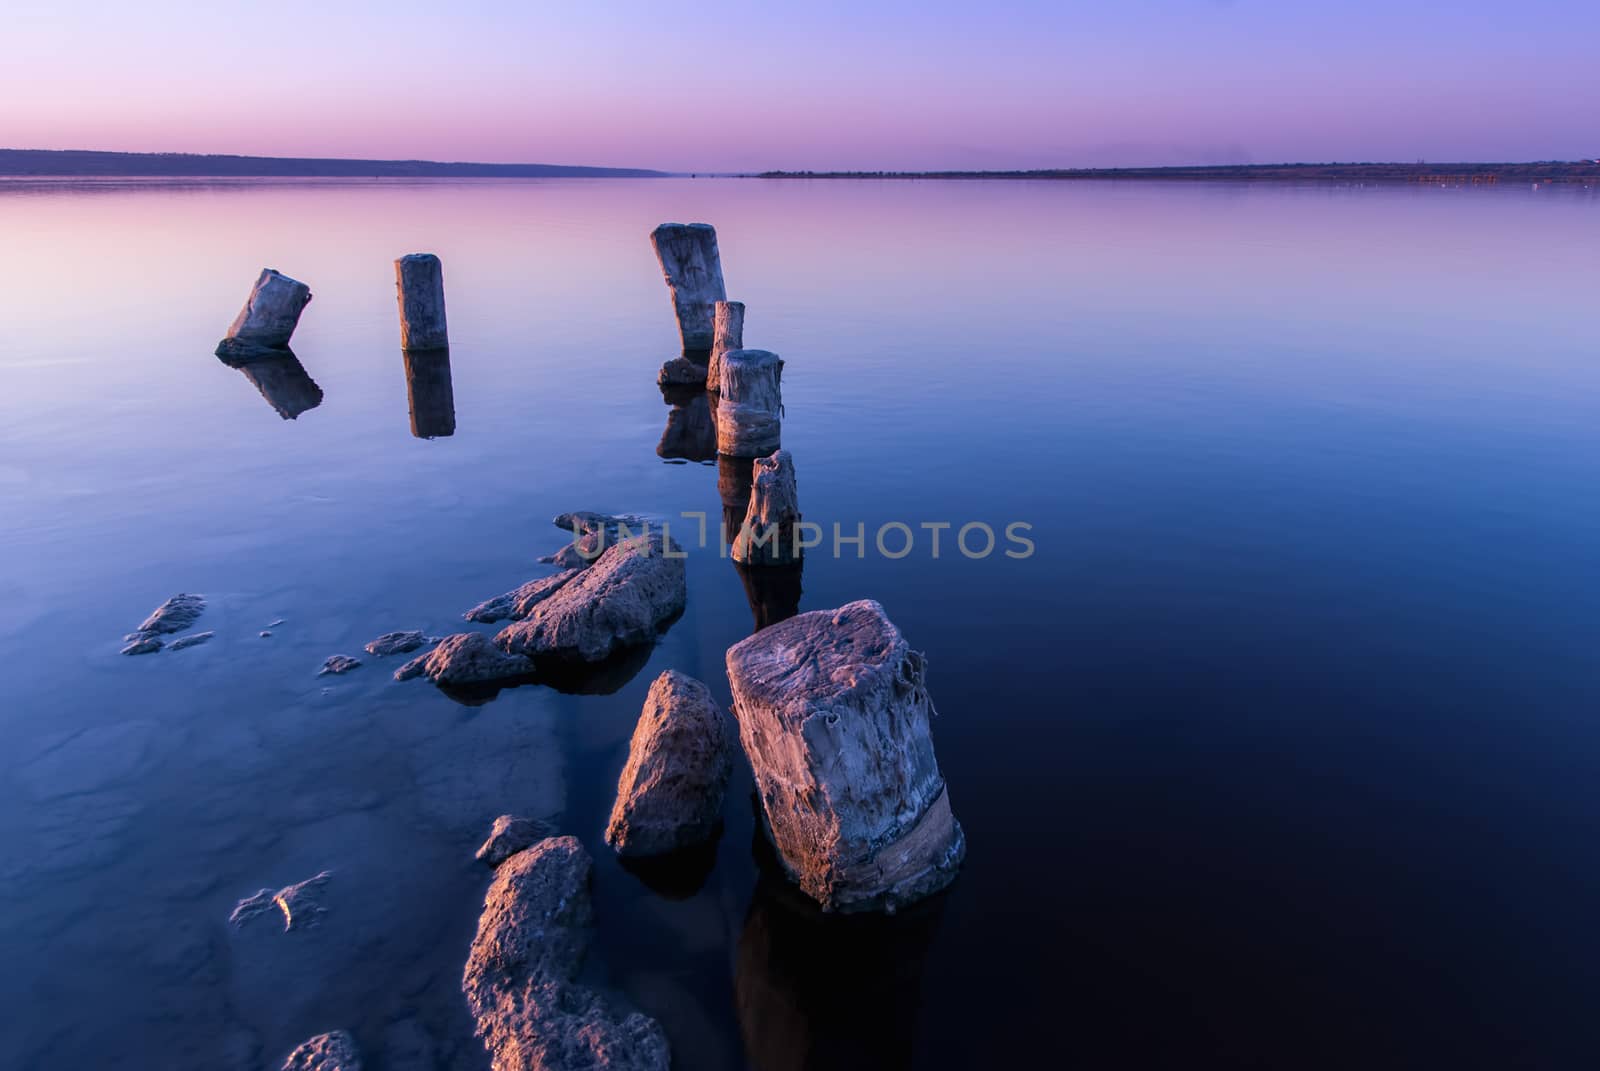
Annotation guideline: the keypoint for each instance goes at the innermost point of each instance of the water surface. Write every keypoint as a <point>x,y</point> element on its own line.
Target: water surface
<point>1278,751</point>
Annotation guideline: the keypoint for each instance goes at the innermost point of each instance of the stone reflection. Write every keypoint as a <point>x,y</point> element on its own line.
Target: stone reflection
<point>430,392</point>
<point>819,991</point>
<point>691,431</point>
<point>281,379</point>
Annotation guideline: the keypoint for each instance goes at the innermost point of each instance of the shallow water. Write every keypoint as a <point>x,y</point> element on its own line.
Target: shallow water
<point>1277,751</point>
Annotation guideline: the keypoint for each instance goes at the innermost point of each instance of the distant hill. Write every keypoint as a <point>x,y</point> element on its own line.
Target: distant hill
<point>75,163</point>
<point>1583,171</point>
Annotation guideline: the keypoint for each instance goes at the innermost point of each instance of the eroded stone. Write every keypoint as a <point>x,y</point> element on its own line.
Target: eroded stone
<point>518,603</point>
<point>670,793</point>
<point>465,658</point>
<point>510,835</point>
<point>333,1051</point>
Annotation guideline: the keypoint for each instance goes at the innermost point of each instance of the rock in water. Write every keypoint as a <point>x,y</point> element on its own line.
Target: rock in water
<point>682,372</point>
<point>520,978</point>
<point>727,334</point>
<point>419,285</point>
<point>396,643</point>
<point>335,1051</point>
<point>519,603</point>
<point>300,903</point>
<point>670,793</point>
<point>465,658</point>
<point>337,664</point>
<point>510,835</point>
<point>619,601</point>
<point>194,639</point>
<point>693,270</point>
<point>143,645</point>
<point>750,414</point>
<point>834,716</point>
<point>269,317</point>
<point>770,534</point>
<point>174,615</point>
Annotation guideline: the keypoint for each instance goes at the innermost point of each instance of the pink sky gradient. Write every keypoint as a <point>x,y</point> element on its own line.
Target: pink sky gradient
<point>724,86</point>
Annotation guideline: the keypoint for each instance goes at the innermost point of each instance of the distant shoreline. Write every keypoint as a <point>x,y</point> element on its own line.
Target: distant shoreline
<point>52,163</point>
<point>1474,174</point>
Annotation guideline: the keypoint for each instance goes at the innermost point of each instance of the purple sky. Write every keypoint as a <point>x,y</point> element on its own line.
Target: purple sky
<point>715,85</point>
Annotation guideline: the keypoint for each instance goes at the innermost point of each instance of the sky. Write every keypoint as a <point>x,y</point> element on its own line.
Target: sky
<point>710,85</point>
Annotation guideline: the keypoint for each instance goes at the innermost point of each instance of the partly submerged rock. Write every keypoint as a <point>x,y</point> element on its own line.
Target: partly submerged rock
<point>682,372</point>
<point>834,715</point>
<point>520,979</point>
<point>143,644</point>
<point>619,601</point>
<point>300,904</point>
<point>510,835</point>
<point>465,658</point>
<point>194,639</point>
<point>670,793</point>
<point>337,664</point>
<point>392,643</point>
<point>517,604</point>
<point>174,615</point>
<point>770,534</point>
<point>333,1051</point>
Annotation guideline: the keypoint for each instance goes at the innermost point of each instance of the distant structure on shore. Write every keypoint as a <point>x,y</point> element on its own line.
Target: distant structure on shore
<point>44,163</point>
<point>1581,171</point>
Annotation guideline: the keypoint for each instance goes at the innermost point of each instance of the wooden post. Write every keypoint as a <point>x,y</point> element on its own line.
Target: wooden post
<point>749,414</point>
<point>693,271</point>
<point>727,334</point>
<point>419,284</point>
<point>268,319</point>
<point>770,533</point>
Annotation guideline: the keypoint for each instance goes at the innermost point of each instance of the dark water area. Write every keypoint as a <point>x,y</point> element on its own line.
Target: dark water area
<point>1278,750</point>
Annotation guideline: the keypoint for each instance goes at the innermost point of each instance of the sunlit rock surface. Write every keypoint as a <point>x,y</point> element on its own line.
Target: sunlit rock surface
<point>519,602</point>
<point>670,793</point>
<point>520,979</point>
<point>465,658</point>
<point>299,905</point>
<point>334,1051</point>
<point>393,643</point>
<point>620,601</point>
<point>510,835</point>
<point>692,267</point>
<point>834,716</point>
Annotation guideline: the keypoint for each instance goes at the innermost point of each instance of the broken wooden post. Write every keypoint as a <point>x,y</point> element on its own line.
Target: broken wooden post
<point>727,334</point>
<point>268,318</point>
<point>750,412</point>
<point>834,716</point>
<point>693,270</point>
<point>430,393</point>
<point>770,533</point>
<point>419,283</point>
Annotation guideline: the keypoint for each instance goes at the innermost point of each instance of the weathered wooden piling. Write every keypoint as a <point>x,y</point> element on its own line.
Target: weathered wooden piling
<point>727,334</point>
<point>430,392</point>
<point>419,285</point>
<point>770,533</point>
<point>268,319</point>
<point>693,270</point>
<point>750,412</point>
<point>835,718</point>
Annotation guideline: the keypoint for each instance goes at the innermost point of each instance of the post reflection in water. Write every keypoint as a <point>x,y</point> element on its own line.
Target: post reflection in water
<point>819,991</point>
<point>430,393</point>
<point>773,590</point>
<point>691,431</point>
<point>282,381</point>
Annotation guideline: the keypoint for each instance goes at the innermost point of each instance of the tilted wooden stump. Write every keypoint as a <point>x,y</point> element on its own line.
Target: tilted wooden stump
<point>769,534</point>
<point>727,334</point>
<point>419,284</point>
<point>693,270</point>
<point>834,715</point>
<point>268,319</point>
<point>750,413</point>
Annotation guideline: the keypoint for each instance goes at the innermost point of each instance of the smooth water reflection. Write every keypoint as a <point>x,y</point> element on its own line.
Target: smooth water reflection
<point>1279,751</point>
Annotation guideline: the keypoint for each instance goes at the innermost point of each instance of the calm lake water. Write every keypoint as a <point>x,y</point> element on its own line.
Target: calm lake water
<point>1279,751</point>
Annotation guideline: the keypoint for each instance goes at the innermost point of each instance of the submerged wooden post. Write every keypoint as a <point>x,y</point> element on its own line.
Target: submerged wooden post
<point>269,317</point>
<point>419,284</point>
<point>693,270</point>
<point>749,415</point>
<point>770,533</point>
<point>727,333</point>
